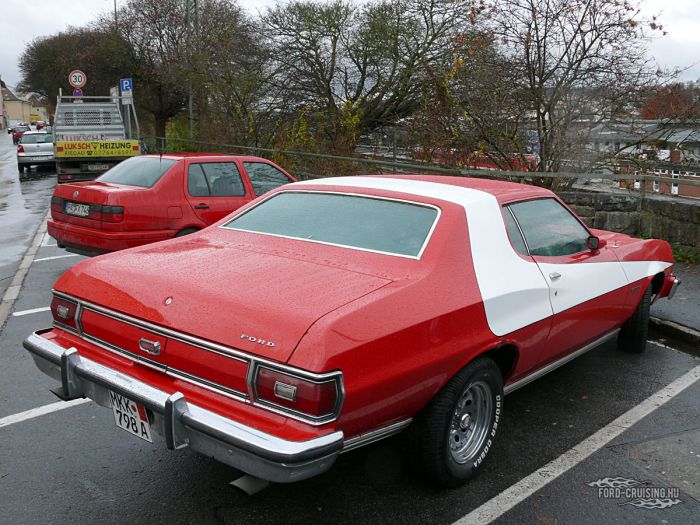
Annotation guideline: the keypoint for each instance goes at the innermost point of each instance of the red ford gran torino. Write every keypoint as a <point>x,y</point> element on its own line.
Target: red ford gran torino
<point>333,313</point>
<point>151,198</point>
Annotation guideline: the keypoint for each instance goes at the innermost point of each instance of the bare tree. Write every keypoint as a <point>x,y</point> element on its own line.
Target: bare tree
<point>580,62</point>
<point>154,32</point>
<point>354,68</point>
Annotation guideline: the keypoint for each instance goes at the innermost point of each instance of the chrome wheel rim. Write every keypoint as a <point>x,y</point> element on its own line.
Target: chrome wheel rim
<point>470,421</point>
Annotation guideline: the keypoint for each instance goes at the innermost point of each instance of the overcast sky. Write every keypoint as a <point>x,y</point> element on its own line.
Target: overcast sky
<point>23,20</point>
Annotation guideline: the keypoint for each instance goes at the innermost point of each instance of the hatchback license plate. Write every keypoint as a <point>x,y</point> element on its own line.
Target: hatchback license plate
<point>81,210</point>
<point>130,416</point>
<point>98,167</point>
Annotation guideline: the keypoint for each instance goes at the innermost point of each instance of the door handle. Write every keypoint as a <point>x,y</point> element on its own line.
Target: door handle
<point>554,276</point>
<point>201,206</point>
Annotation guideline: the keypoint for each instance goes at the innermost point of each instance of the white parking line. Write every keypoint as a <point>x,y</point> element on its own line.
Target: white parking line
<point>32,311</point>
<point>526,487</point>
<point>45,240</point>
<point>40,411</point>
<point>56,257</point>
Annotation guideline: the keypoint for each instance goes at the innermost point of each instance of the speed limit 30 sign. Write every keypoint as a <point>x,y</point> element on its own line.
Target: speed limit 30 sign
<point>77,78</point>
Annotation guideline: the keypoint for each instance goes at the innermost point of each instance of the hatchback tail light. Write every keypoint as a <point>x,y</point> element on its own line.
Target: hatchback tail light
<point>314,397</point>
<point>64,312</point>
<point>20,149</point>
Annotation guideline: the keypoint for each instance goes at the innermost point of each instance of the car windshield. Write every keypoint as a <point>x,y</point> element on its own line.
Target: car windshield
<point>365,223</point>
<point>42,138</point>
<point>21,128</point>
<point>138,171</point>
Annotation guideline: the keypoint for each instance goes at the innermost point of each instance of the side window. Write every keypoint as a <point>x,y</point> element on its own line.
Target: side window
<point>196,182</point>
<point>549,228</point>
<point>264,177</point>
<point>216,179</point>
<point>514,234</point>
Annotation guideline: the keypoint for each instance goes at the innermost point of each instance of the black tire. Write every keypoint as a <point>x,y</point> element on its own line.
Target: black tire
<point>446,452</point>
<point>633,334</point>
<point>186,231</point>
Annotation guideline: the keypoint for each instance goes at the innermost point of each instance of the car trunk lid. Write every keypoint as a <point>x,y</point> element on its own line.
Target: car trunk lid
<point>220,299</point>
<point>84,203</point>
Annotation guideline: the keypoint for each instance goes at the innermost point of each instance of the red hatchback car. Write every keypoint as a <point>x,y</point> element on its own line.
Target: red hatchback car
<point>151,198</point>
<point>18,131</point>
<point>333,313</point>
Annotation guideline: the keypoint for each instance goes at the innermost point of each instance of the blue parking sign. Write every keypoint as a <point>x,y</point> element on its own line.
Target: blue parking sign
<point>126,85</point>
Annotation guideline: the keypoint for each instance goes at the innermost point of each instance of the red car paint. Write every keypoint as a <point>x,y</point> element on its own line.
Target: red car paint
<point>18,131</point>
<point>397,328</point>
<point>149,214</point>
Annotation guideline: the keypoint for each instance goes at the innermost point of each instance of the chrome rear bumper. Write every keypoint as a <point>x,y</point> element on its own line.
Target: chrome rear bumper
<point>183,424</point>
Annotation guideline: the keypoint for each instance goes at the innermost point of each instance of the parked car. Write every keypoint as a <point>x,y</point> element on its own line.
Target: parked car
<point>150,198</point>
<point>18,131</point>
<point>35,148</point>
<point>331,313</point>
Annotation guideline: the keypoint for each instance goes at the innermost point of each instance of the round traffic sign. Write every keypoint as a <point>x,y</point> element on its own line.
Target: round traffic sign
<point>77,78</point>
<point>77,92</point>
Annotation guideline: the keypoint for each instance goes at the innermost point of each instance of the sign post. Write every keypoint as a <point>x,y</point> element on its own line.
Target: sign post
<point>126,85</point>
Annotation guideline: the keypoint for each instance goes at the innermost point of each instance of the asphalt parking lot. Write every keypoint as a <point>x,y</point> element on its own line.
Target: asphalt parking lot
<point>603,418</point>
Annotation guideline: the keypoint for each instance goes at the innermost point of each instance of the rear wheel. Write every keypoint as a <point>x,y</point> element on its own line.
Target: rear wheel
<point>633,334</point>
<point>452,436</point>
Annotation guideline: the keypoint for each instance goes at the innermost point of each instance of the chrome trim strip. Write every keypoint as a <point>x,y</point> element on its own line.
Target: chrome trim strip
<point>362,195</point>
<point>124,353</point>
<point>374,435</point>
<point>209,385</point>
<point>556,364</point>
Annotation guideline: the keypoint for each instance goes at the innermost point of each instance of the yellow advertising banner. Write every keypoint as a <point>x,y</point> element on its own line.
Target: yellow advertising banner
<point>97,148</point>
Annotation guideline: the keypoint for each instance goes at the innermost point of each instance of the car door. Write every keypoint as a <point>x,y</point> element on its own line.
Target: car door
<point>215,189</point>
<point>587,288</point>
<point>265,177</point>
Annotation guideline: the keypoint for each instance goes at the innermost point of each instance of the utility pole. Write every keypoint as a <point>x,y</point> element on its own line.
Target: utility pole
<point>192,23</point>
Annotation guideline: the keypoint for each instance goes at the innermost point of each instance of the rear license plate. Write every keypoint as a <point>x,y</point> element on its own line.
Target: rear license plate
<point>37,158</point>
<point>98,167</point>
<point>130,416</point>
<point>80,210</point>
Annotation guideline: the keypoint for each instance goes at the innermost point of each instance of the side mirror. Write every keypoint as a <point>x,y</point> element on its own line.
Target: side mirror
<point>594,243</point>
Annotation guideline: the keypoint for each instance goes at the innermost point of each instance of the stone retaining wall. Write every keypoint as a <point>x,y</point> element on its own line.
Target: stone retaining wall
<point>675,220</point>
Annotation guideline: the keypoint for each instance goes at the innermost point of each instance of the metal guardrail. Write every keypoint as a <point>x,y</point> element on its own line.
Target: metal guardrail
<point>177,145</point>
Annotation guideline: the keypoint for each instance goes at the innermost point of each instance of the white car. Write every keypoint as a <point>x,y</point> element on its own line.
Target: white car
<point>35,148</point>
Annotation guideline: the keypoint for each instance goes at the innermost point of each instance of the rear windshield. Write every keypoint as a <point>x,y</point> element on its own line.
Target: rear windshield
<point>22,128</point>
<point>138,171</point>
<point>365,223</point>
<point>42,138</point>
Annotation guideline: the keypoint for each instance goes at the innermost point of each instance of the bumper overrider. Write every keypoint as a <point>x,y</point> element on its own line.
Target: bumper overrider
<point>183,424</point>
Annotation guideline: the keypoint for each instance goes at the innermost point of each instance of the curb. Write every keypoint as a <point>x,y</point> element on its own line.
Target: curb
<point>15,286</point>
<point>678,331</point>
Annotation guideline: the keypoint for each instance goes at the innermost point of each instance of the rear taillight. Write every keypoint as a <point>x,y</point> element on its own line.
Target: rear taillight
<point>315,398</point>
<point>20,149</point>
<point>57,204</point>
<point>64,312</point>
<point>112,213</point>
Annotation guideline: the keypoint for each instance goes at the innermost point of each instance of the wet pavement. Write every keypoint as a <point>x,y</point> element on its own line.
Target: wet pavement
<point>23,204</point>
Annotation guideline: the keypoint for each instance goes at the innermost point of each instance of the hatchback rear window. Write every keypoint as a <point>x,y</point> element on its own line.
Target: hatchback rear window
<point>41,138</point>
<point>365,223</point>
<point>138,171</point>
